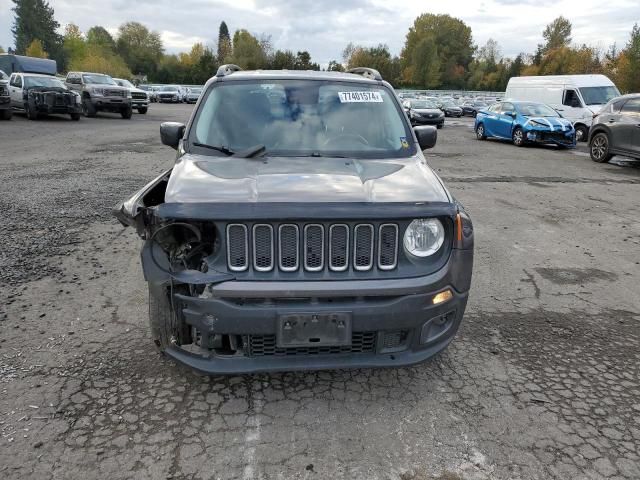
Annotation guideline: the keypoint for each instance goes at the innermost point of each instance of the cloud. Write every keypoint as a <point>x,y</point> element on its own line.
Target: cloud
<point>325,27</point>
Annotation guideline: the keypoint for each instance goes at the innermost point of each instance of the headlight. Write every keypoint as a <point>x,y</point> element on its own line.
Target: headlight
<point>97,91</point>
<point>129,94</point>
<point>424,237</point>
<point>538,124</point>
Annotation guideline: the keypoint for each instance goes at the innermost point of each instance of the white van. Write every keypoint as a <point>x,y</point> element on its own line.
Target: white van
<point>576,97</point>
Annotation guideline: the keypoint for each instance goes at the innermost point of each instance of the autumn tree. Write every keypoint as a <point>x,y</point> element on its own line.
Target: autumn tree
<point>629,63</point>
<point>247,51</point>
<point>377,57</point>
<point>35,49</point>
<point>557,34</point>
<point>99,36</point>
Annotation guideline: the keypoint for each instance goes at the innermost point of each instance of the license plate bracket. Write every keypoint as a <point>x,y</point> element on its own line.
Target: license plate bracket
<point>314,329</point>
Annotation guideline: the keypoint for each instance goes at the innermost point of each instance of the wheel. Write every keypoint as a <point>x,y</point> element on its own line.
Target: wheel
<point>439,126</point>
<point>581,133</point>
<point>475,114</point>
<point>126,112</point>
<point>88,108</point>
<point>166,328</point>
<point>142,110</point>
<point>32,113</point>
<point>599,148</point>
<point>75,116</point>
<point>480,135</point>
<point>518,137</point>
<point>7,114</point>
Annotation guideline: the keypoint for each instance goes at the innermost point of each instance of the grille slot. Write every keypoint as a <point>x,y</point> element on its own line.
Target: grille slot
<point>313,247</point>
<point>237,247</point>
<point>265,345</point>
<point>388,246</point>
<point>263,247</point>
<point>339,247</point>
<point>363,247</point>
<point>289,247</point>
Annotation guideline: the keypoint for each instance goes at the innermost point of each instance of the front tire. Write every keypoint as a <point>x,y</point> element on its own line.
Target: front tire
<point>581,133</point>
<point>142,110</point>
<point>480,134</point>
<point>88,108</point>
<point>75,116</point>
<point>518,137</point>
<point>32,113</point>
<point>166,327</point>
<point>7,114</point>
<point>126,113</point>
<point>439,126</point>
<point>599,148</point>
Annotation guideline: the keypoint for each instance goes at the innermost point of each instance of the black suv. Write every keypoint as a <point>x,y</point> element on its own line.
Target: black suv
<point>301,228</point>
<point>616,129</point>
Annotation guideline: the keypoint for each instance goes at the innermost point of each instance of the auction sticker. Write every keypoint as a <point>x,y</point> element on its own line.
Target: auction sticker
<point>360,97</point>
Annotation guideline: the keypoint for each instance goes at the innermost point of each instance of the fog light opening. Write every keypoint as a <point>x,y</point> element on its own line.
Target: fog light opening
<point>442,297</point>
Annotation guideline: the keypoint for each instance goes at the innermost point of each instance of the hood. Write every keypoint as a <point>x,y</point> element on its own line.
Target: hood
<point>594,109</point>
<point>49,90</point>
<point>553,123</point>
<point>200,178</point>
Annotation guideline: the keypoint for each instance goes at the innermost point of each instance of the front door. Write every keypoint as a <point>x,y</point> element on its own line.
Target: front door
<point>629,126</point>
<point>15,91</point>
<point>506,117</point>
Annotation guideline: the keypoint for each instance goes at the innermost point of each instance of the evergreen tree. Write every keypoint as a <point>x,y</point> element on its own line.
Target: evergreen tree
<point>224,43</point>
<point>34,21</point>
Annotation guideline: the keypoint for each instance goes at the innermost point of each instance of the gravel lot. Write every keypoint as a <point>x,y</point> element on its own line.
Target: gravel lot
<point>543,380</point>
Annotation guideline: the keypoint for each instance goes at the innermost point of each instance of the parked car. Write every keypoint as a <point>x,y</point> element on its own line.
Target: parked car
<point>311,256</point>
<point>100,93</point>
<point>169,94</point>
<point>36,94</point>
<point>577,97</point>
<point>5,98</point>
<point>616,129</point>
<point>424,112</point>
<point>450,109</point>
<point>525,122</point>
<point>139,98</point>
<point>471,108</point>
<point>193,95</point>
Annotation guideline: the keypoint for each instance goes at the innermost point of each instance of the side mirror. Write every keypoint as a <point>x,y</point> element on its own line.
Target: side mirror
<point>427,136</point>
<point>171,133</point>
<point>512,114</point>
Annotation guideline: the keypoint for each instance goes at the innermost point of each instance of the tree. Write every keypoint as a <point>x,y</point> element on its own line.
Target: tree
<point>557,34</point>
<point>377,57</point>
<point>1,49</point>
<point>334,66</point>
<point>247,51</point>
<point>224,43</point>
<point>140,48</point>
<point>35,49</point>
<point>100,37</point>
<point>437,42</point>
<point>34,20</point>
<point>73,43</point>
<point>283,60</point>
<point>303,62</point>
<point>629,63</point>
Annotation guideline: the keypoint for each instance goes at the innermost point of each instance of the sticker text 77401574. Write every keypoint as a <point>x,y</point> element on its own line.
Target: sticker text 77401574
<point>360,97</point>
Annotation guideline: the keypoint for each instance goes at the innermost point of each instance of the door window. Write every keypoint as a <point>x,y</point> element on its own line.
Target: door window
<point>16,81</point>
<point>508,108</point>
<point>632,106</point>
<point>495,108</point>
<point>571,99</point>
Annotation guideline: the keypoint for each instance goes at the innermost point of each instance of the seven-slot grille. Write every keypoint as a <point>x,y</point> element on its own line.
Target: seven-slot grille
<point>313,247</point>
<point>114,93</point>
<point>139,95</point>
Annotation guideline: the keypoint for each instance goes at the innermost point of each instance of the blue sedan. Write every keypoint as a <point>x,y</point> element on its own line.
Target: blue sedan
<point>525,122</point>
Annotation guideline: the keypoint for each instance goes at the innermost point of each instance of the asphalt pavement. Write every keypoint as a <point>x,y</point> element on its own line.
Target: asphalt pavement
<point>542,381</point>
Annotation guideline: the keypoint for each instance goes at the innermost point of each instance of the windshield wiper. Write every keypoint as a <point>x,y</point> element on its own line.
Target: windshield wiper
<point>251,152</point>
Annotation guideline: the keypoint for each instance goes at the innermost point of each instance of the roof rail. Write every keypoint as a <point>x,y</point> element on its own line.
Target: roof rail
<point>227,69</point>
<point>371,73</point>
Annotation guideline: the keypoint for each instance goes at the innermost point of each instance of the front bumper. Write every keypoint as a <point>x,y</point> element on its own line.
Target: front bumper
<point>139,103</point>
<point>427,121</point>
<point>400,309</point>
<point>566,139</point>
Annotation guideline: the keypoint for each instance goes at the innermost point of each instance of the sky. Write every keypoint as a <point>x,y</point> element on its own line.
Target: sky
<point>325,27</point>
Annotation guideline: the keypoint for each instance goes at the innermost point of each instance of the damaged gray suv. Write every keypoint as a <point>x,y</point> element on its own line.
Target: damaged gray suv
<point>300,229</point>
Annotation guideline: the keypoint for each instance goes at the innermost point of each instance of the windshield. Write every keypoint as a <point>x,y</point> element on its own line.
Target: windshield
<point>422,104</point>
<point>31,82</point>
<point>303,118</point>
<point>98,79</point>
<point>536,110</point>
<point>449,103</point>
<point>598,95</point>
<point>3,76</point>
<point>169,89</point>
